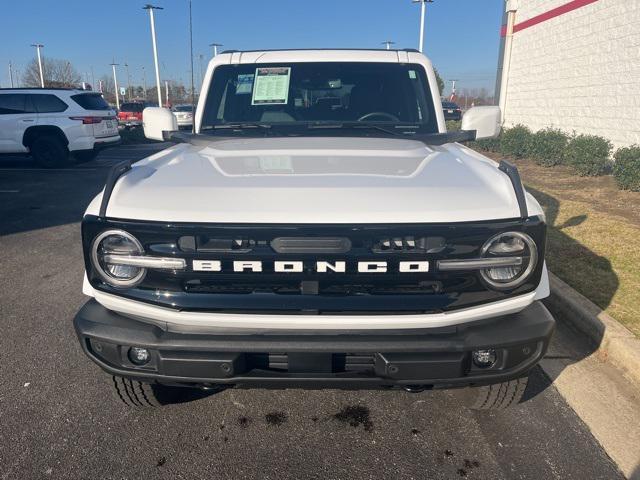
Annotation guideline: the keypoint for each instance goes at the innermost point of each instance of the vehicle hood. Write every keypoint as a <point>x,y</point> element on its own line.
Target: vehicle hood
<point>314,180</point>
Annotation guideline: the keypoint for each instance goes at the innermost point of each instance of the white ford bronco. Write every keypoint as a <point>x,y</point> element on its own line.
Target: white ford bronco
<point>320,229</point>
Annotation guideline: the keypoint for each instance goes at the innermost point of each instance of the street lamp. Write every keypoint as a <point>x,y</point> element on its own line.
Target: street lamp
<point>215,48</point>
<point>388,43</point>
<point>423,8</point>
<point>144,84</point>
<point>126,65</point>
<point>38,47</point>
<point>115,82</point>
<point>151,8</point>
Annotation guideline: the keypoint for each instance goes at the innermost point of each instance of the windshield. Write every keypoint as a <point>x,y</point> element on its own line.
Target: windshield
<point>183,108</point>
<point>132,107</point>
<point>286,94</point>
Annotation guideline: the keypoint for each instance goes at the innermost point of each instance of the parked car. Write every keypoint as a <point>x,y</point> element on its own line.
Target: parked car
<point>295,243</point>
<point>451,111</point>
<point>55,125</point>
<point>130,114</point>
<point>184,115</point>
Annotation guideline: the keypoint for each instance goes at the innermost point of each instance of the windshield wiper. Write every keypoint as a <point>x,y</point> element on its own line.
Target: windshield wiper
<point>236,126</point>
<point>358,126</point>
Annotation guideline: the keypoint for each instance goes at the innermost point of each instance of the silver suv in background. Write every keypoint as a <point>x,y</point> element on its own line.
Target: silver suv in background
<point>56,125</point>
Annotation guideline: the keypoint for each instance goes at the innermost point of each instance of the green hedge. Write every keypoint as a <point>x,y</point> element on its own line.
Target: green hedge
<point>548,147</point>
<point>588,155</point>
<point>516,141</point>
<point>453,125</point>
<point>626,168</point>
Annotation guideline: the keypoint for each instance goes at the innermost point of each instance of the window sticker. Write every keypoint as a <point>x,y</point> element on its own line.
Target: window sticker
<point>271,86</point>
<point>245,84</point>
<point>412,74</point>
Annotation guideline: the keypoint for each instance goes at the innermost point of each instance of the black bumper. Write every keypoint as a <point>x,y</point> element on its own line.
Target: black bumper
<point>434,358</point>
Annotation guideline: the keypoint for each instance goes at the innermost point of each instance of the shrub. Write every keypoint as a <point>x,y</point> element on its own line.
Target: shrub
<point>588,155</point>
<point>453,125</point>
<point>626,168</point>
<point>486,144</point>
<point>516,141</point>
<point>548,146</point>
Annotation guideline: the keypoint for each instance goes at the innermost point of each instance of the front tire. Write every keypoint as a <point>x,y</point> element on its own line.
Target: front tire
<point>49,151</point>
<point>135,394</point>
<point>499,396</point>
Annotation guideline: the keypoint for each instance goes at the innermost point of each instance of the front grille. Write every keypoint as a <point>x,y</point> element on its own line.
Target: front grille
<point>343,288</point>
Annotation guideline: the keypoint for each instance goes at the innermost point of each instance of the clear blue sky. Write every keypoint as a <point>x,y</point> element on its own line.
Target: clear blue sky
<point>461,35</point>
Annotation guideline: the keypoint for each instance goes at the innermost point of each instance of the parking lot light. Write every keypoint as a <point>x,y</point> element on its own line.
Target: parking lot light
<point>423,8</point>
<point>215,48</point>
<point>38,47</point>
<point>151,8</point>
<point>115,82</point>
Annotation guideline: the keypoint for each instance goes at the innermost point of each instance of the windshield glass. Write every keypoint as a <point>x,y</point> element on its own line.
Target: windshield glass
<point>388,94</point>
<point>132,107</point>
<point>183,108</point>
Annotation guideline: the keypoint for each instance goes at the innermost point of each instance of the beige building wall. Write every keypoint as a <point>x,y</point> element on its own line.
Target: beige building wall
<point>578,71</point>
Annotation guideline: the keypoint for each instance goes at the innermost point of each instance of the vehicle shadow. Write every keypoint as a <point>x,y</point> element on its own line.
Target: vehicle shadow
<point>33,198</point>
<point>569,345</point>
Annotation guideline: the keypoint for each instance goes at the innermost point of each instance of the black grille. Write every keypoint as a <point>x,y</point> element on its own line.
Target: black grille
<point>311,291</point>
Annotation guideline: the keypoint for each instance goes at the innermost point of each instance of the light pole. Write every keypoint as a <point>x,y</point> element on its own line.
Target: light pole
<point>200,57</point>
<point>115,82</point>
<point>388,43</point>
<point>38,47</point>
<point>144,83</point>
<point>93,79</point>
<point>151,8</point>
<point>166,89</point>
<point>423,8</point>
<point>453,89</point>
<point>11,74</point>
<point>126,65</point>
<point>215,48</point>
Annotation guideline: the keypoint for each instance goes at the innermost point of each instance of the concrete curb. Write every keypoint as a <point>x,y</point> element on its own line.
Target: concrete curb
<point>613,342</point>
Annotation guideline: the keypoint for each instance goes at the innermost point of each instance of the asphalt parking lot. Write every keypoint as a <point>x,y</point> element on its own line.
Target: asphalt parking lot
<point>58,418</point>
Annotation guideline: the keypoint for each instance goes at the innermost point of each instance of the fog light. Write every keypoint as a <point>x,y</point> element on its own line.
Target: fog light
<point>484,358</point>
<point>139,355</point>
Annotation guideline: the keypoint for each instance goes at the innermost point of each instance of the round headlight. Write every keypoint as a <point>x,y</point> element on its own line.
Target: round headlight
<point>117,242</point>
<point>510,244</point>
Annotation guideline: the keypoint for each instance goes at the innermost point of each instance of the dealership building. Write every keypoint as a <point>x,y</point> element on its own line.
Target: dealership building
<point>573,65</point>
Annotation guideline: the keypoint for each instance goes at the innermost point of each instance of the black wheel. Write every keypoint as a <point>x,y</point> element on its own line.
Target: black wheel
<point>83,156</point>
<point>495,397</point>
<point>137,394</point>
<point>49,151</point>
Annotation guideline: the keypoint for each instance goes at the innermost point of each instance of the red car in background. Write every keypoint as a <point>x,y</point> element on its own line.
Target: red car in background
<point>130,114</point>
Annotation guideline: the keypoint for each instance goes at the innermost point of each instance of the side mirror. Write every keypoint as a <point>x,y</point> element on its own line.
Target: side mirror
<point>484,120</point>
<point>157,120</point>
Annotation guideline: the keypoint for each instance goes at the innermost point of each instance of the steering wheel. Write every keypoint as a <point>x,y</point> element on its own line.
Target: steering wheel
<point>366,116</point>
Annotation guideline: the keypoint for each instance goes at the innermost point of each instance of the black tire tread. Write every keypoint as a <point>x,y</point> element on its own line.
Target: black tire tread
<point>499,396</point>
<point>135,394</point>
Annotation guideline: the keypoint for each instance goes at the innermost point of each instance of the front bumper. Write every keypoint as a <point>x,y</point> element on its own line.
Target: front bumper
<point>433,358</point>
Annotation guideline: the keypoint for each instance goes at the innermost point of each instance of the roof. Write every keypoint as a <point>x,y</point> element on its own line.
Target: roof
<point>46,89</point>
<point>324,49</point>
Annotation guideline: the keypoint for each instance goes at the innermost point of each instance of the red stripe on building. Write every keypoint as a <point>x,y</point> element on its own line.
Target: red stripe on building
<point>543,17</point>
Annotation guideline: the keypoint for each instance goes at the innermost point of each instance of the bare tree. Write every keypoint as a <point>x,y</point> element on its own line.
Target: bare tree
<point>56,73</point>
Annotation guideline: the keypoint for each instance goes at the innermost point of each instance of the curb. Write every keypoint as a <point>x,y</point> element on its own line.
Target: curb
<point>614,343</point>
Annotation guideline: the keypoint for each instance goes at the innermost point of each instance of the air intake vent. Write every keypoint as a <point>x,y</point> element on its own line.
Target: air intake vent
<point>409,244</point>
<point>311,244</point>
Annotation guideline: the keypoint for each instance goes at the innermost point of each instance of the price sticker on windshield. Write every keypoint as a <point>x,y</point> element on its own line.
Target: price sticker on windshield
<point>271,86</point>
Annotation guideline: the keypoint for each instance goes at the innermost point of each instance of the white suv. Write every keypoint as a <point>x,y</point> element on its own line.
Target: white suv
<point>51,124</point>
